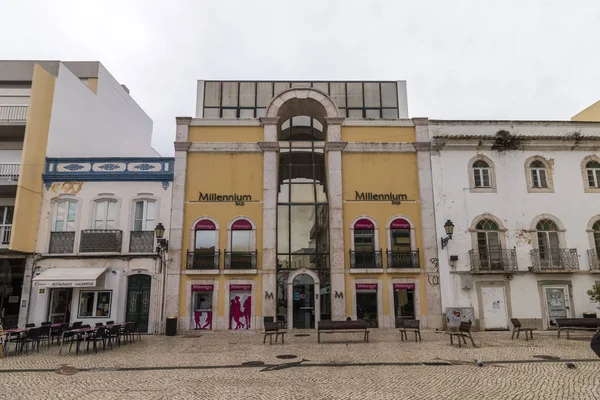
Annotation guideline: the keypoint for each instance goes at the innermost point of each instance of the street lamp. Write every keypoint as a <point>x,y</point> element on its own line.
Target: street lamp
<point>449,228</point>
<point>163,244</point>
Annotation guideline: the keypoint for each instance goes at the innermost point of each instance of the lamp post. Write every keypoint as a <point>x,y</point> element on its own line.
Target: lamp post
<point>162,247</point>
<point>449,228</point>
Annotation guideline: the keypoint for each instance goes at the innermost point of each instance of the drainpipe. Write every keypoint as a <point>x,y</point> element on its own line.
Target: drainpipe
<point>163,267</point>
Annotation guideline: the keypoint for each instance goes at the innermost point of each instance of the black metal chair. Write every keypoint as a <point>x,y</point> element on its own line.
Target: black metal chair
<point>46,323</point>
<point>112,335</point>
<point>77,324</point>
<point>78,337</point>
<point>44,334</point>
<point>32,337</point>
<point>57,332</point>
<point>110,322</point>
<point>30,325</point>
<point>99,335</point>
<point>99,324</point>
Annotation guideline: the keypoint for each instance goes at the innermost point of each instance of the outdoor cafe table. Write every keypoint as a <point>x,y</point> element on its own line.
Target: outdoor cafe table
<point>80,331</point>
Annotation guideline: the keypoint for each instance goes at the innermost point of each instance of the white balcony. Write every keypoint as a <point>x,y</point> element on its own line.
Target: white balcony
<point>9,173</point>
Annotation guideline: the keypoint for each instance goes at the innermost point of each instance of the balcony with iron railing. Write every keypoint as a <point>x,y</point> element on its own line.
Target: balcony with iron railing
<point>101,241</point>
<point>203,260</point>
<point>5,231</point>
<point>594,260</point>
<point>240,259</point>
<point>555,260</point>
<point>61,242</point>
<point>13,113</point>
<point>365,259</point>
<point>493,260</point>
<point>9,173</point>
<point>403,259</point>
<point>141,242</point>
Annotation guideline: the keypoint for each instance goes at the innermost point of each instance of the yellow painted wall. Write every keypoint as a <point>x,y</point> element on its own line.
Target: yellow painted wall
<point>28,199</point>
<point>382,173</point>
<point>223,174</point>
<point>380,134</point>
<point>590,114</point>
<point>93,84</point>
<point>226,134</point>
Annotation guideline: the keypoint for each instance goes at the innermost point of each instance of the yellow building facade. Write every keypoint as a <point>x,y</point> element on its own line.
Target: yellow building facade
<point>302,202</point>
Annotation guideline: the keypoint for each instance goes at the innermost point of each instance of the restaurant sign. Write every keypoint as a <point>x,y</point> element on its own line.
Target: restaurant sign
<point>65,284</point>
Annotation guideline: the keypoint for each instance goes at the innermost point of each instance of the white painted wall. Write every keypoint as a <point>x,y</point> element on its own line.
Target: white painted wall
<point>107,124</point>
<point>516,208</point>
<point>10,156</point>
<point>15,96</point>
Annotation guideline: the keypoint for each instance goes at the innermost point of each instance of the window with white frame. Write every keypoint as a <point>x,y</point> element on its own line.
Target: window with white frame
<point>65,214</point>
<point>6,219</point>
<point>481,174</point>
<point>592,169</point>
<point>144,215</point>
<point>105,214</point>
<point>548,241</point>
<point>596,236</point>
<point>94,304</point>
<point>539,174</point>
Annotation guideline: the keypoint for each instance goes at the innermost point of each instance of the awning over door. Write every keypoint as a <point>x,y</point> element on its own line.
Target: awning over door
<point>80,277</point>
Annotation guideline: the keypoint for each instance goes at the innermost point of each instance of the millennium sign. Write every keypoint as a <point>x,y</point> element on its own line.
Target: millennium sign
<point>238,199</point>
<point>395,198</point>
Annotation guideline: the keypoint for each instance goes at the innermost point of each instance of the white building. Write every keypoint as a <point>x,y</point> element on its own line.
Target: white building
<point>524,201</point>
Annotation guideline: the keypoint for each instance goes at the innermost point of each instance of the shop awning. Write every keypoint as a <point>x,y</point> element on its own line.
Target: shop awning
<point>80,277</point>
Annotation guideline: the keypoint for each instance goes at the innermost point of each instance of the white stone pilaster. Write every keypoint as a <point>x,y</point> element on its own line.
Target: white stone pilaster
<point>428,230</point>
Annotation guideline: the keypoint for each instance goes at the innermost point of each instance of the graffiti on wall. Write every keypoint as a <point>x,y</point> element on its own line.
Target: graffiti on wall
<point>433,273</point>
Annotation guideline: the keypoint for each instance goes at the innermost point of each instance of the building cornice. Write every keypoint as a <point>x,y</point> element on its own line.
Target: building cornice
<point>183,120</point>
<point>269,120</point>
<point>224,122</point>
<point>335,146</point>
<point>335,120</point>
<point>533,143</point>
<point>378,122</point>
<point>269,146</point>
<point>182,146</point>
<point>224,147</point>
<point>363,147</point>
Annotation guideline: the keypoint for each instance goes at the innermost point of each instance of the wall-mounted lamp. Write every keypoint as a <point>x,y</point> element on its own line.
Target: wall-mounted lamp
<point>162,244</point>
<point>449,228</point>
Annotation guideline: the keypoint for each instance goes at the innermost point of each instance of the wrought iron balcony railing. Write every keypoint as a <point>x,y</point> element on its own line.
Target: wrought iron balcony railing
<point>5,231</point>
<point>203,259</point>
<point>61,242</point>
<point>240,259</point>
<point>555,259</point>
<point>141,242</point>
<point>493,260</point>
<point>365,259</point>
<point>101,241</point>
<point>594,260</point>
<point>9,172</point>
<point>403,259</point>
<point>13,112</point>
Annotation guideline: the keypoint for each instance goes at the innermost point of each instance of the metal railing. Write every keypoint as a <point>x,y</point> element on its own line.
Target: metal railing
<point>493,260</point>
<point>593,260</point>
<point>61,242</point>
<point>365,259</point>
<point>403,259</point>
<point>101,241</point>
<point>240,259</point>
<point>9,172</point>
<point>555,259</point>
<point>141,242</point>
<point>5,231</point>
<point>203,259</point>
<point>13,112</point>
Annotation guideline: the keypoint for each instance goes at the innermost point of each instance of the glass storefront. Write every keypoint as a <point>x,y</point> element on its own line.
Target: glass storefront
<point>404,301</point>
<point>11,286</point>
<point>366,303</point>
<point>202,297</point>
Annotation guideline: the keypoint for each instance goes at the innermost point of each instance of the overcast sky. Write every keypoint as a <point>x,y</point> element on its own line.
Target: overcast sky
<point>461,59</point>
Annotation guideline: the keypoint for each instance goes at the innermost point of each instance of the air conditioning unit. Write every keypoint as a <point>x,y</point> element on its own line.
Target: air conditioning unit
<point>466,282</point>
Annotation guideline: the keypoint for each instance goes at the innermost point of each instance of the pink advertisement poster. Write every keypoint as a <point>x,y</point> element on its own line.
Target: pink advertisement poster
<point>203,320</point>
<point>240,306</point>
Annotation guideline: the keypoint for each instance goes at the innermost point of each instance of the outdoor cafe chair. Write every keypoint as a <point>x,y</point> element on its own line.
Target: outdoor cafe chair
<point>31,337</point>
<point>77,324</point>
<point>136,329</point>
<point>56,333</point>
<point>99,324</point>
<point>110,322</point>
<point>46,323</point>
<point>45,331</point>
<point>30,325</point>
<point>98,335</point>
<point>112,335</point>
<point>78,337</point>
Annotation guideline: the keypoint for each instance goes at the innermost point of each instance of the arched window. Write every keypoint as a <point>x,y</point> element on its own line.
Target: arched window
<point>401,254</point>
<point>488,245</point>
<point>596,236</point>
<point>539,174</point>
<point>105,214</point>
<point>592,169</point>
<point>481,174</point>
<point>548,242</point>
<point>365,254</point>
<point>205,254</point>
<point>242,245</point>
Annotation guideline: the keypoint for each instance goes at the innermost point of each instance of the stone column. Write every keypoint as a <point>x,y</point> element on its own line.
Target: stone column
<point>175,262</point>
<point>428,229</point>
<point>26,291</point>
<point>270,148</point>
<point>334,149</point>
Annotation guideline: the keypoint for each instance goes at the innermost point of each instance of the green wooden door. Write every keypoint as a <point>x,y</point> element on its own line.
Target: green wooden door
<point>138,300</point>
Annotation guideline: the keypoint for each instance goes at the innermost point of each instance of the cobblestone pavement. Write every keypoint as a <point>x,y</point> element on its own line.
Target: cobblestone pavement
<point>210,366</point>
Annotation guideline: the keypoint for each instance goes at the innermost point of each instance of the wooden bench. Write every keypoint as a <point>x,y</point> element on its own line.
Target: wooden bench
<point>343,327</point>
<point>464,332</point>
<point>410,325</point>
<point>577,324</point>
<point>517,328</point>
<point>272,328</point>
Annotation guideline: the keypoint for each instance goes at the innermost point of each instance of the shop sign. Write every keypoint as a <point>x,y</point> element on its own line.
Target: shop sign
<point>241,225</point>
<point>364,223</point>
<point>404,286</point>
<point>366,286</point>
<point>399,223</point>
<point>225,198</point>
<point>65,284</point>
<point>240,288</point>
<point>370,196</point>
<point>205,225</point>
<point>296,296</point>
<point>205,288</point>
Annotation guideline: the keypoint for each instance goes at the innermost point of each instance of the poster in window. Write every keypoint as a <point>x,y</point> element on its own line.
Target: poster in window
<point>240,306</point>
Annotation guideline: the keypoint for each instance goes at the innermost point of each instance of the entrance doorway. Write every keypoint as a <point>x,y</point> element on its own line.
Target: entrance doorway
<point>303,297</point>
<point>557,305</point>
<point>366,303</point>
<point>60,306</point>
<point>11,285</point>
<point>138,300</point>
<point>404,302</point>
<point>493,301</point>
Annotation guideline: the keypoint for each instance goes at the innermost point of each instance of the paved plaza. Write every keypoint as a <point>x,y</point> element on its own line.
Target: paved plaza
<point>230,365</point>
